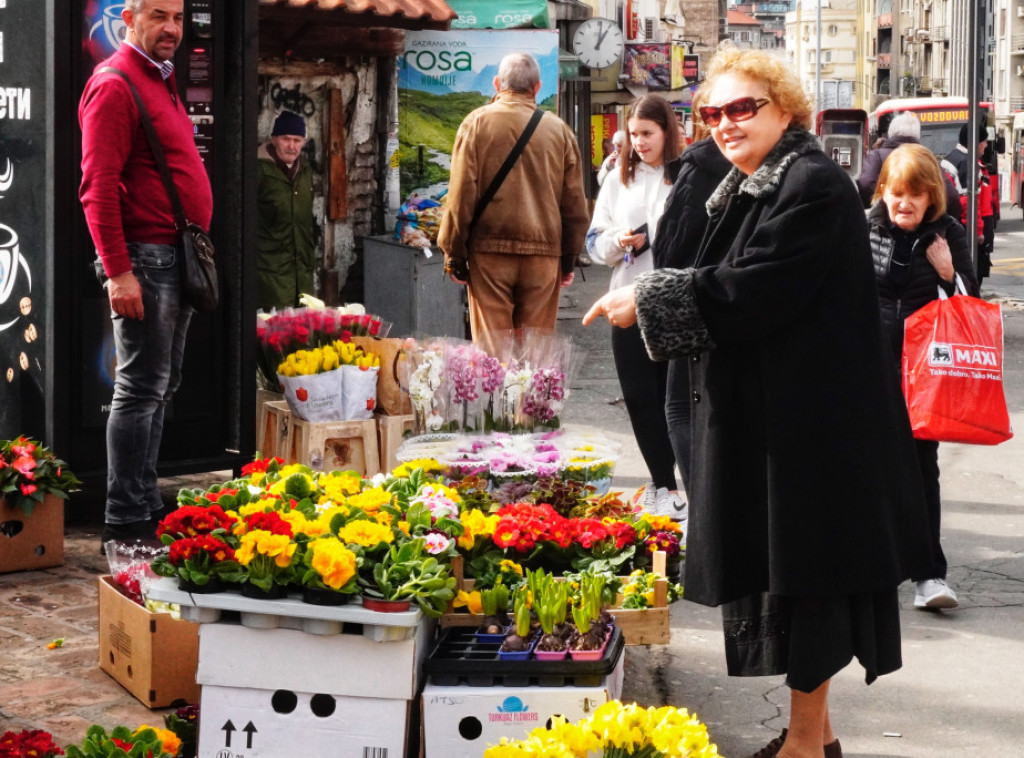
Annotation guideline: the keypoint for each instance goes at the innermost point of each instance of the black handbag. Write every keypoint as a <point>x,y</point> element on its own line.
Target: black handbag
<point>199,284</point>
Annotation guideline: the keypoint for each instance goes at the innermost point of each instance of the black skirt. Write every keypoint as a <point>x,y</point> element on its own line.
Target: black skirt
<point>810,639</point>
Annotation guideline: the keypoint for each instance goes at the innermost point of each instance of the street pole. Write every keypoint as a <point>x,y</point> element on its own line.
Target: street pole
<point>973,110</point>
<point>817,65</point>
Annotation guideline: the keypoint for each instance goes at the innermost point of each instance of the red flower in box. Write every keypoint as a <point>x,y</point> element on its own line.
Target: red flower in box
<point>521,526</point>
<point>260,465</point>
<point>267,522</point>
<point>192,548</point>
<point>590,531</point>
<point>194,520</point>
<point>213,497</point>
<point>34,743</point>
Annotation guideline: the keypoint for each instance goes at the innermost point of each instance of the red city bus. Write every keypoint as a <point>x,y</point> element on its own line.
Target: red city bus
<point>941,119</point>
<point>1017,162</point>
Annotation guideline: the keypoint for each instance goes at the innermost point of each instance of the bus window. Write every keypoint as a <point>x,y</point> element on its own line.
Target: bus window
<point>940,139</point>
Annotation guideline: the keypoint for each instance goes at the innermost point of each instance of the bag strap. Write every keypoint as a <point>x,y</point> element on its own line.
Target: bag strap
<point>961,288</point>
<point>180,222</point>
<point>506,167</point>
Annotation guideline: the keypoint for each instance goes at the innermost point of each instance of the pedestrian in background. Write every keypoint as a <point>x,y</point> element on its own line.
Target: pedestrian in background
<point>904,129</point>
<point>698,171</point>
<point>805,500</point>
<point>956,165</point>
<point>917,248</point>
<point>132,226</point>
<point>624,226</point>
<point>610,163</point>
<point>524,243</point>
<point>285,228</point>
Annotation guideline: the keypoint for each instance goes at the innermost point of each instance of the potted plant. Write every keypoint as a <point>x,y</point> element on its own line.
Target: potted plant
<point>267,559</point>
<point>28,743</point>
<point>202,564</point>
<point>29,472</point>
<point>494,602</point>
<point>519,641</point>
<point>122,742</point>
<point>551,601</point>
<point>330,572</point>
<point>184,722</point>
<point>407,573</point>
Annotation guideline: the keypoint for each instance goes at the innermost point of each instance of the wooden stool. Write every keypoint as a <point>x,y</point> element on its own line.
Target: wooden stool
<point>262,398</point>
<point>391,430</point>
<point>335,445</point>
<point>274,430</point>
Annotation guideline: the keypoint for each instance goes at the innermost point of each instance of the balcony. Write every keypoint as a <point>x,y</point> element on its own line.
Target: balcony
<point>884,60</point>
<point>1017,44</point>
<point>940,33</point>
<point>1016,104</point>
<point>885,21</point>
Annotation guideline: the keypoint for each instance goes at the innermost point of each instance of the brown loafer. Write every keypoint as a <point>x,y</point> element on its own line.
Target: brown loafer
<point>772,748</point>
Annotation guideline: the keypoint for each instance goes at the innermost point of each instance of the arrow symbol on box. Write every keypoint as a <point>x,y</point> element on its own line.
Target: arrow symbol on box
<point>228,729</point>
<point>249,730</point>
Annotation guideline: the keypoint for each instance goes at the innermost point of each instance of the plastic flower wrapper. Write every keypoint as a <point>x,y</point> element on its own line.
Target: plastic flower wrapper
<point>553,362</point>
<point>129,568</point>
<point>425,387</point>
<point>471,377</point>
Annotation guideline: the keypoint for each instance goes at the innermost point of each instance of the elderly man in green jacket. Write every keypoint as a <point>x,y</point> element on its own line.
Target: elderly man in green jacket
<point>286,246</point>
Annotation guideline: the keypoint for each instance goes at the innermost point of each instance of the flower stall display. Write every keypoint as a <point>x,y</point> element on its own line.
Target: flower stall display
<point>616,730</point>
<point>199,554</point>
<point>28,743</point>
<point>288,330</point>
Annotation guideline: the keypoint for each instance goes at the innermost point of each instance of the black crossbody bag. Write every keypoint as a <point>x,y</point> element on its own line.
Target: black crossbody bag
<point>198,267</point>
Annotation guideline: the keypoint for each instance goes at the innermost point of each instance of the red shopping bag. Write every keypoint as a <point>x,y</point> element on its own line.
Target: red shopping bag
<point>953,372</point>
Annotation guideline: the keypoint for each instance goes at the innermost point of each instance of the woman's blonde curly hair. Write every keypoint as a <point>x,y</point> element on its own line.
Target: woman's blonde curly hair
<point>781,85</point>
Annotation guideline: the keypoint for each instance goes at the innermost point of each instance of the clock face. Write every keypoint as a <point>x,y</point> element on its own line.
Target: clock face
<point>598,43</point>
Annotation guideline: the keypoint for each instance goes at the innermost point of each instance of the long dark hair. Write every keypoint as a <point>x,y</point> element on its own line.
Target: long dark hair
<point>656,109</point>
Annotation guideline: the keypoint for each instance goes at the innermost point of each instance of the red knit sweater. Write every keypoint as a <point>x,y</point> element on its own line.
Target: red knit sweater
<point>121,193</point>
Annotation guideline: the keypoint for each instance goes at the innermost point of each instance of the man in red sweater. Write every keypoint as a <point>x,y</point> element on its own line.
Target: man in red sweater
<point>132,225</point>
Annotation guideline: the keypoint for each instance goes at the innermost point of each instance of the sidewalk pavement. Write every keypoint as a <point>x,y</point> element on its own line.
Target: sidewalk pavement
<point>957,693</point>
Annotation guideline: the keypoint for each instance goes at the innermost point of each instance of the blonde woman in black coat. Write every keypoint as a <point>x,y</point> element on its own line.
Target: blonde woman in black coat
<point>805,500</point>
<point>917,248</point>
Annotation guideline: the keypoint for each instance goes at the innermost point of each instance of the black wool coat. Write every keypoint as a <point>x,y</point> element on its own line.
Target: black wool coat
<point>805,478</point>
<point>698,171</point>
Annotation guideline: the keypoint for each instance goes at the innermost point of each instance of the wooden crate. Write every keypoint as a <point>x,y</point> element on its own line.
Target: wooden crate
<point>274,430</point>
<point>645,626</point>
<point>334,445</point>
<point>391,431</point>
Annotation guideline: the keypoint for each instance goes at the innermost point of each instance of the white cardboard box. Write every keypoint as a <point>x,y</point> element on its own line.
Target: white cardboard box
<point>231,655</point>
<point>461,721</point>
<point>277,723</point>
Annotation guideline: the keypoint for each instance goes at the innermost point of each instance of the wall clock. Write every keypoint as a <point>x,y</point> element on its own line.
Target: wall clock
<point>598,42</point>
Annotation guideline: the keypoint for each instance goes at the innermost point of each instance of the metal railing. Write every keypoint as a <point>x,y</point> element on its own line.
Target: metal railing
<point>884,60</point>
<point>939,33</point>
<point>1017,44</point>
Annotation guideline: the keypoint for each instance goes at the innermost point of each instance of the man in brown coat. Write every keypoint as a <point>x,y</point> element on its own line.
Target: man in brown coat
<point>525,243</point>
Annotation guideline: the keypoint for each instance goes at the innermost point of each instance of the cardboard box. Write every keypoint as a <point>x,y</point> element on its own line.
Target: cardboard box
<point>152,655</point>
<point>282,723</point>
<point>352,665</point>
<point>32,542</point>
<point>462,721</point>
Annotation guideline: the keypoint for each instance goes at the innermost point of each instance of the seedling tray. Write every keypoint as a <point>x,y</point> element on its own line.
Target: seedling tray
<point>460,659</point>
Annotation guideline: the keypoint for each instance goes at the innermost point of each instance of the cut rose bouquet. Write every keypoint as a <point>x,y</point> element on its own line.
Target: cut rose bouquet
<point>29,472</point>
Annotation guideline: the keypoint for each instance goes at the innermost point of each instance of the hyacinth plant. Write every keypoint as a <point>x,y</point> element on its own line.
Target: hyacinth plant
<point>29,472</point>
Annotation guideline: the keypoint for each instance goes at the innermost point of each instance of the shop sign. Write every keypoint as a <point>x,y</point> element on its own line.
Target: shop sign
<point>602,127</point>
<point>685,68</point>
<point>25,185</point>
<point>500,14</point>
<point>442,76</point>
<point>648,65</point>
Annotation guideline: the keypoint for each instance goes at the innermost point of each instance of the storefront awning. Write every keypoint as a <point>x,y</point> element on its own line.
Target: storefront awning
<point>398,14</point>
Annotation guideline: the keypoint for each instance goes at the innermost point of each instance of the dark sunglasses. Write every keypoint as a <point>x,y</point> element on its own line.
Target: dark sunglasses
<point>738,110</point>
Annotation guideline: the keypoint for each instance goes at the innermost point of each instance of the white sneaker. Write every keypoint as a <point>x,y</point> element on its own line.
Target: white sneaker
<point>670,504</point>
<point>649,498</point>
<point>935,593</point>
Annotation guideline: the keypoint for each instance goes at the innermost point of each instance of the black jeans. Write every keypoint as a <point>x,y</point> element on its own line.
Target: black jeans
<point>928,460</point>
<point>643,383</point>
<point>678,414</point>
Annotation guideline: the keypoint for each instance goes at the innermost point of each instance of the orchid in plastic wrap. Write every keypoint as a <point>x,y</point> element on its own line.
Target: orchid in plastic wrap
<point>425,381</point>
<point>546,395</point>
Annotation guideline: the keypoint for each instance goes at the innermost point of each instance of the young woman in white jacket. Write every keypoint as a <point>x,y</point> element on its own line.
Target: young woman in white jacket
<point>625,219</point>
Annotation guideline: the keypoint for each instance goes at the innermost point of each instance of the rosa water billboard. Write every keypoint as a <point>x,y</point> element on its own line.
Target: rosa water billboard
<point>442,76</point>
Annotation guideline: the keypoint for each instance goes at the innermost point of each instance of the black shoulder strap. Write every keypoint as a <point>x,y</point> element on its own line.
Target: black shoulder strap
<point>180,222</point>
<point>506,167</point>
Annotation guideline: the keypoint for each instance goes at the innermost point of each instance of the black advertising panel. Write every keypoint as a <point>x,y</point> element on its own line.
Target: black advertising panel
<point>25,191</point>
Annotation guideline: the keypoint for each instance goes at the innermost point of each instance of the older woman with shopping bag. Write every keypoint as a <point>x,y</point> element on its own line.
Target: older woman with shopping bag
<point>806,500</point>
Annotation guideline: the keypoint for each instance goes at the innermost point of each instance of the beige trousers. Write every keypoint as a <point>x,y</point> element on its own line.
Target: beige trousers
<point>509,293</point>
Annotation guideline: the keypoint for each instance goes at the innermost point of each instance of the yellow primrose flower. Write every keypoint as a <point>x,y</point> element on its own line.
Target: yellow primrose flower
<point>383,517</point>
<point>510,567</point>
<point>472,601</point>
<point>372,499</point>
<point>334,562</point>
<point>429,466</point>
<point>257,476</point>
<point>250,508</point>
<point>476,523</point>
<point>365,533</point>
<point>170,742</point>
<point>403,527</point>
<point>338,485</point>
